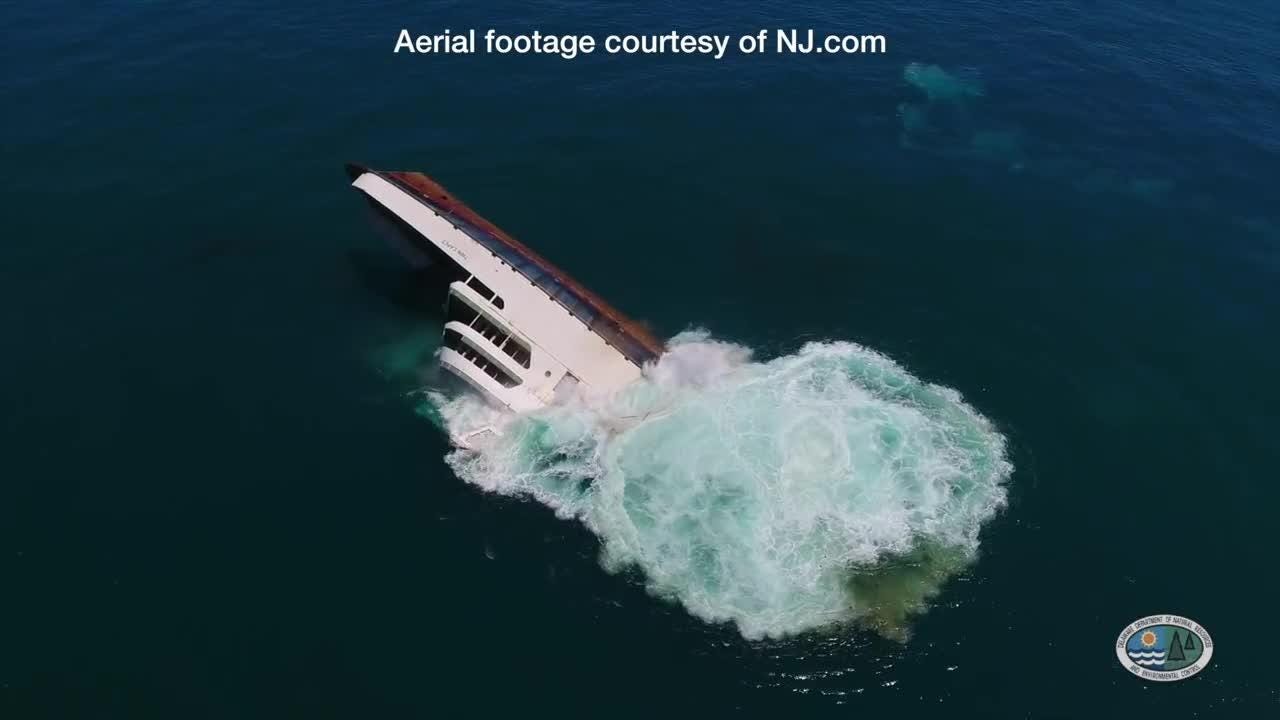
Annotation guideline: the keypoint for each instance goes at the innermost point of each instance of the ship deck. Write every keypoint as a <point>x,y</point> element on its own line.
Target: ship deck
<point>631,338</point>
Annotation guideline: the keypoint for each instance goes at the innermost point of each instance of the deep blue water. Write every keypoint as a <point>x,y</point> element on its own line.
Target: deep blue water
<point>217,500</point>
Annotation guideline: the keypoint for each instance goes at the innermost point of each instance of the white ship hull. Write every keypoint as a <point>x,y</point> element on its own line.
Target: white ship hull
<point>518,330</point>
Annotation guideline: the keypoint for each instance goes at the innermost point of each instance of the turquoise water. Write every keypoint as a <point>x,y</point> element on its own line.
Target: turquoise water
<point>983,364</point>
<point>761,495</point>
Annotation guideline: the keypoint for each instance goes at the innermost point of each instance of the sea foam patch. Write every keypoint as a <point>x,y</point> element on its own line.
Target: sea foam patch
<point>782,496</point>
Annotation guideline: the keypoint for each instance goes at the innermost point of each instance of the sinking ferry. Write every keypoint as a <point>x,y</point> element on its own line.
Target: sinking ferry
<point>517,329</point>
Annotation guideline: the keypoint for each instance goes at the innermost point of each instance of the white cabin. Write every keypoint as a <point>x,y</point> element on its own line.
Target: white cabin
<point>518,330</point>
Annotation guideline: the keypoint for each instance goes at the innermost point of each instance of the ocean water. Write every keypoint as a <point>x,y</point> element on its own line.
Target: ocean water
<point>974,363</point>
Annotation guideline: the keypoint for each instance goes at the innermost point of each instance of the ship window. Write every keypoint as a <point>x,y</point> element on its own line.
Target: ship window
<point>491,332</point>
<point>595,317</point>
<point>518,352</point>
<point>494,334</point>
<point>455,342</point>
<point>462,312</point>
<point>474,283</point>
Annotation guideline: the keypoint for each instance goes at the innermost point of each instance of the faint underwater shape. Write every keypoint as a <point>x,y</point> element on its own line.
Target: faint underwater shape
<point>999,146</point>
<point>940,85</point>
<point>1257,224</point>
<point>1099,180</point>
<point>1150,188</point>
<point>942,121</point>
<point>409,355</point>
<point>946,123</point>
<point>915,118</point>
<point>915,125</point>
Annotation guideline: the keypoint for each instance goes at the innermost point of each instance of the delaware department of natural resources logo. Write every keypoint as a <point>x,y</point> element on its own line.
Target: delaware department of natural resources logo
<point>1164,648</point>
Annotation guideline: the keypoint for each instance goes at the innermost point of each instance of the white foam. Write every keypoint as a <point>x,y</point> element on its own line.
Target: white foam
<point>767,494</point>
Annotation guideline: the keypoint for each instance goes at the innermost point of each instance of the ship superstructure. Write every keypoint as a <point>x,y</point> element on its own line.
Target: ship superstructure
<point>518,329</point>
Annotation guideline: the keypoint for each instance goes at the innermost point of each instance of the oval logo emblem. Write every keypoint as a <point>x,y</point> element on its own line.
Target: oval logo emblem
<point>1164,648</point>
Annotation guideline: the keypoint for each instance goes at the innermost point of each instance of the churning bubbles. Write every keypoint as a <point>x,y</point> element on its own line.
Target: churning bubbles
<point>783,496</point>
